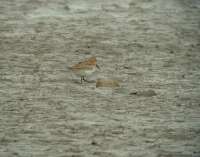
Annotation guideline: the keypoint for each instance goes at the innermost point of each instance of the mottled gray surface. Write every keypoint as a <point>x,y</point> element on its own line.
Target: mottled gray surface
<point>151,46</point>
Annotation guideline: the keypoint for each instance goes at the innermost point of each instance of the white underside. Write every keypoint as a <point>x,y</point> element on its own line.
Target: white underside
<point>85,72</point>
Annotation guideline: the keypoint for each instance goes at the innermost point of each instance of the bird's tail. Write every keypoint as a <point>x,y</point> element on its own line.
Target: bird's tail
<point>70,68</point>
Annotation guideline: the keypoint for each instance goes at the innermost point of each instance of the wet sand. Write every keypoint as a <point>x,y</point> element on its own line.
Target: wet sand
<point>151,47</point>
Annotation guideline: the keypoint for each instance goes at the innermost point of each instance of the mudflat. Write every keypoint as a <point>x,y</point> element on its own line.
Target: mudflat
<point>151,47</point>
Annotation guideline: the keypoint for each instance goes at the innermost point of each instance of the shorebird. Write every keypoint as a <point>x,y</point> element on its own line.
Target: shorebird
<point>85,68</point>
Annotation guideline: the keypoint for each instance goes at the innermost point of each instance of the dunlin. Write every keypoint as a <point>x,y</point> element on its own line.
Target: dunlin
<point>85,68</point>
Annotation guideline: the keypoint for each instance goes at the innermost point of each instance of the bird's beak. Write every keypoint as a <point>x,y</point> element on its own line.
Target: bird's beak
<point>97,66</point>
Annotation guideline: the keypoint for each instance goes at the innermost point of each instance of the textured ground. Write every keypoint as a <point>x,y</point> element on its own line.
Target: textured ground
<point>151,46</point>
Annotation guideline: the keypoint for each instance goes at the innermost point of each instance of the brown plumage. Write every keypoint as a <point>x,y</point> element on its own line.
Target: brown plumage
<point>85,68</point>
<point>87,64</point>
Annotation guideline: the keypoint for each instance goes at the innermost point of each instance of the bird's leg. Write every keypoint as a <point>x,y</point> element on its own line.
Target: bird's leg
<point>82,78</point>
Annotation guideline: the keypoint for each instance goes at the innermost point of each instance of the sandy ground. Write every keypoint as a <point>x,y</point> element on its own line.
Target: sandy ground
<point>150,46</point>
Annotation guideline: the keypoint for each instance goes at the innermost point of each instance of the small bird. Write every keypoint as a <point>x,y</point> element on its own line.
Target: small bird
<point>85,68</point>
